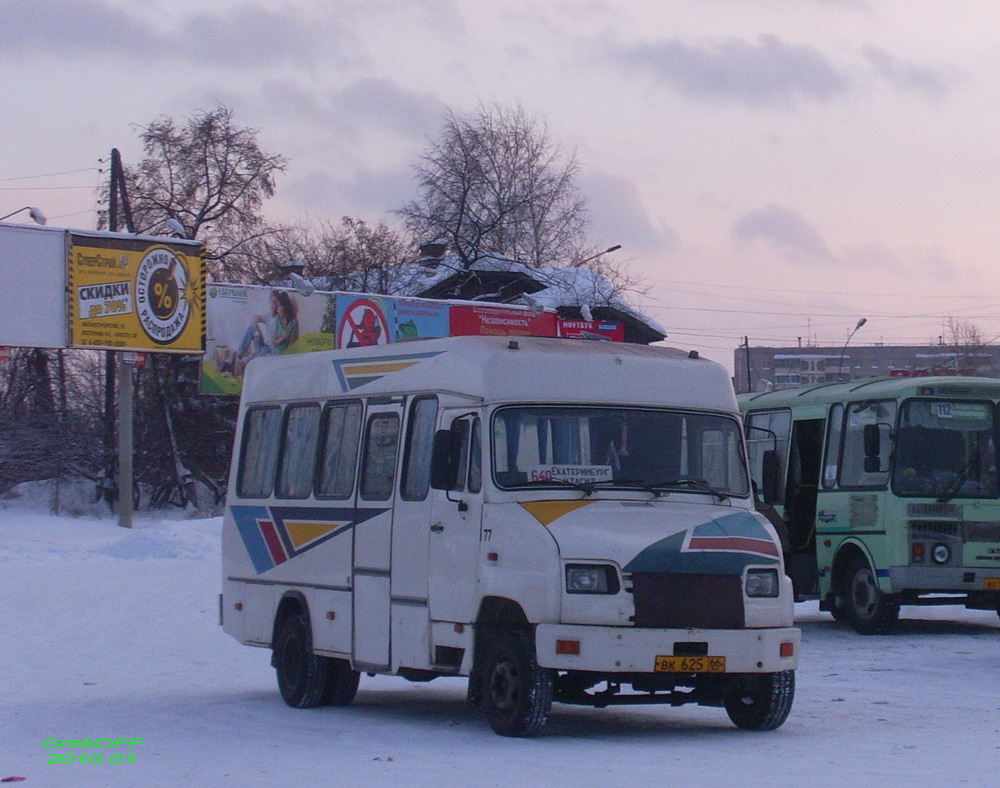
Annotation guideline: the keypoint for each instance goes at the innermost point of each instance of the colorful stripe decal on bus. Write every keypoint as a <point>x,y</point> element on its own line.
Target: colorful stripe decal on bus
<point>725,546</point>
<point>276,534</point>
<point>356,372</point>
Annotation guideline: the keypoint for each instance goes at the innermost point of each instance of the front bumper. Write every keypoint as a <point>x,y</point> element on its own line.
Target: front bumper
<point>634,650</point>
<point>953,579</point>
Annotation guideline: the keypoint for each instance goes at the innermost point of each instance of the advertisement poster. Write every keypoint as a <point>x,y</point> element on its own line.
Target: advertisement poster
<point>136,293</point>
<point>246,322</point>
<point>420,320</point>
<point>33,307</point>
<point>363,321</point>
<point>613,330</point>
<point>501,321</point>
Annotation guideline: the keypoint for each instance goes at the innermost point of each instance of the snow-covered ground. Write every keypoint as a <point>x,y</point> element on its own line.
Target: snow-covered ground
<point>110,633</point>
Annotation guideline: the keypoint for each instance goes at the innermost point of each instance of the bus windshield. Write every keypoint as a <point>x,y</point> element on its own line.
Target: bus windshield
<point>616,447</point>
<point>946,449</point>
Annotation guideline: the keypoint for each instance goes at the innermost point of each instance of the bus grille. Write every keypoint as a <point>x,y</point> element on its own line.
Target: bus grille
<point>920,529</point>
<point>678,601</point>
<point>967,532</point>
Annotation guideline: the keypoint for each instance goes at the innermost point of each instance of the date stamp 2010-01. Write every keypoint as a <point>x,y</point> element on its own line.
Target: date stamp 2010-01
<point>83,750</point>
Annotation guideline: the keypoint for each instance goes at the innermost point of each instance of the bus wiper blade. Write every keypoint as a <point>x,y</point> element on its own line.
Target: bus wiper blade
<point>699,484</point>
<point>956,484</point>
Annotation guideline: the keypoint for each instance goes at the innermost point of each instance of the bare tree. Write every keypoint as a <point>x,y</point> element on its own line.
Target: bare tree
<point>357,256</point>
<point>963,332</point>
<point>210,176</point>
<point>493,182</point>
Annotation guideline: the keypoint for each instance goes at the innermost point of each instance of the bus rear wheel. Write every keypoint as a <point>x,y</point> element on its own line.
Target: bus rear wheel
<point>305,679</point>
<point>761,701</point>
<point>870,611</point>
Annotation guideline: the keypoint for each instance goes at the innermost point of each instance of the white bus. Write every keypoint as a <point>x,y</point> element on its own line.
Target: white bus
<point>558,520</point>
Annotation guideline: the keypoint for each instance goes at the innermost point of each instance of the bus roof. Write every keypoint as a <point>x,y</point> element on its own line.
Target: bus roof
<point>499,369</point>
<point>873,388</point>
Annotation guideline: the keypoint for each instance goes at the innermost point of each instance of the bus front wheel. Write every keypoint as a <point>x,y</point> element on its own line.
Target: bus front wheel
<point>870,611</point>
<point>517,692</point>
<point>761,701</point>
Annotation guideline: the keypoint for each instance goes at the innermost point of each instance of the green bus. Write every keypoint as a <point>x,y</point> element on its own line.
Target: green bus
<point>888,489</point>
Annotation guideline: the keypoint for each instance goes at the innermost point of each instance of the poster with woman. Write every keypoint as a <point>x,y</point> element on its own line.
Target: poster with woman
<point>245,323</point>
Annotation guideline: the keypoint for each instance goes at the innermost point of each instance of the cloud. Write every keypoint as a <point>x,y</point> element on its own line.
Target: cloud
<point>906,76</point>
<point>248,34</point>
<point>363,193</point>
<point>786,230</point>
<point>383,103</point>
<point>618,215</point>
<point>764,72</point>
<point>86,28</point>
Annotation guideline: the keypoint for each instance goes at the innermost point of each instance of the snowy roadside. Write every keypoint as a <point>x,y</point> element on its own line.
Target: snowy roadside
<point>113,633</point>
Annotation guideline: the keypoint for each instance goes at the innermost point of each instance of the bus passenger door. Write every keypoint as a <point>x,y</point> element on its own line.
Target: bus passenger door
<point>455,530</point>
<point>801,490</point>
<point>411,538</point>
<point>373,534</point>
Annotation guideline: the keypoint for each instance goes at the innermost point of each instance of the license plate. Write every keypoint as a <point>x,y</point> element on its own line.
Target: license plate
<point>992,583</point>
<point>690,664</point>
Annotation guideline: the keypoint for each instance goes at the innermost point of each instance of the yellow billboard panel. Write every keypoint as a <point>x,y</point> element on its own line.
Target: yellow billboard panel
<point>136,293</point>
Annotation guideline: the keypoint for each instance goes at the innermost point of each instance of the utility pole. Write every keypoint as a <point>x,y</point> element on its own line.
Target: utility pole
<point>746,347</point>
<point>125,393</point>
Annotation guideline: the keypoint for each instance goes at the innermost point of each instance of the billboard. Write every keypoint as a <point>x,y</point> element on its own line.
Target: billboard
<point>135,292</point>
<point>501,321</point>
<point>247,322</point>
<point>613,330</point>
<point>32,286</point>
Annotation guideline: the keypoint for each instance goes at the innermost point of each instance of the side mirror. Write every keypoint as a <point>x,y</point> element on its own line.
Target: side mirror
<point>444,460</point>
<point>873,441</point>
<point>771,469</point>
<point>872,438</point>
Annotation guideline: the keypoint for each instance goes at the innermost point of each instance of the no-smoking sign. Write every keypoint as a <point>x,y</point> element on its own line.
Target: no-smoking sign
<point>363,324</point>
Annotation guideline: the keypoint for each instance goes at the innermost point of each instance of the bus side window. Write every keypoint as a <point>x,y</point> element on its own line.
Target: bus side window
<point>852,465</point>
<point>774,429</point>
<point>419,445</point>
<point>470,454</point>
<point>476,457</point>
<point>339,455</point>
<point>462,427</point>
<point>259,456</point>
<point>379,467</point>
<point>834,431</point>
<point>298,451</point>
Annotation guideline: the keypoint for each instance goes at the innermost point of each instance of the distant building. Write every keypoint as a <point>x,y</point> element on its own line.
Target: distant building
<point>786,367</point>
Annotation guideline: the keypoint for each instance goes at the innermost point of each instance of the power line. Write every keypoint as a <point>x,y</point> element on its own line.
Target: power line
<point>805,292</point>
<point>50,174</point>
<point>42,188</point>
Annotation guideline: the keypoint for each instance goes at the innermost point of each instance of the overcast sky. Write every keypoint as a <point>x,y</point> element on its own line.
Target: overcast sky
<point>772,168</point>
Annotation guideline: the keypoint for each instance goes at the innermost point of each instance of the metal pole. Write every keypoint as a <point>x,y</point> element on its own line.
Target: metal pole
<point>126,505</point>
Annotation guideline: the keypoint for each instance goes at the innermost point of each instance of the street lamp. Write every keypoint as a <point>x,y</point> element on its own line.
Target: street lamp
<point>610,249</point>
<point>35,213</point>
<point>840,366</point>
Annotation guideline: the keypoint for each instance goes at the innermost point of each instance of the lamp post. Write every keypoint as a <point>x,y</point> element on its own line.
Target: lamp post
<point>840,366</point>
<point>35,213</point>
<point>610,249</point>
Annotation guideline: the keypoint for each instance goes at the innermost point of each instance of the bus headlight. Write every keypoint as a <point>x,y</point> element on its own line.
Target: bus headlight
<point>591,579</point>
<point>762,582</point>
<point>941,554</point>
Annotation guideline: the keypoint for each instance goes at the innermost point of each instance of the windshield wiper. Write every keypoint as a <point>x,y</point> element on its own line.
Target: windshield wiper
<point>956,484</point>
<point>699,484</point>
